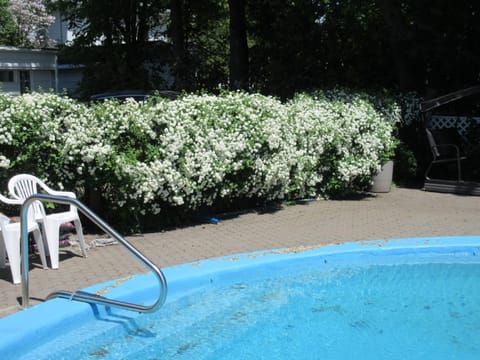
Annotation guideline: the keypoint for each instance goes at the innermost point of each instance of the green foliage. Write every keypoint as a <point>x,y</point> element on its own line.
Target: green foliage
<point>406,165</point>
<point>32,20</point>
<point>200,150</point>
<point>206,44</point>
<point>343,138</point>
<point>8,31</point>
<point>293,46</point>
<point>299,45</point>
<point>114,42</point>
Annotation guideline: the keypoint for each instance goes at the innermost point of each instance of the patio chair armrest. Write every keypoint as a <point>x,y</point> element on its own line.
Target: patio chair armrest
<point>437,147</point>
<point>62,193</point>
<point>66,194</point>
<point>10,201</point>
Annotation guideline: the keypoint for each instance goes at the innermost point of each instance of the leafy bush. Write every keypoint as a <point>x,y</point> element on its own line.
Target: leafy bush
<point>343,138</point>
<point>200,150</point>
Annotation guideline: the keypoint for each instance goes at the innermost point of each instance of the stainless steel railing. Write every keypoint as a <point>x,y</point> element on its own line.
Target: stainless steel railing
<point>82,295</point>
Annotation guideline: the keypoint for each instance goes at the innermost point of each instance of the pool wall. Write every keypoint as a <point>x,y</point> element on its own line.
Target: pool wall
<point>29,327</point>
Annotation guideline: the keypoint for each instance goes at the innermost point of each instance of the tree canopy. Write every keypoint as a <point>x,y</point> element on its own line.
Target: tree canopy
<point>24,23</point>
<point>275,46</point>
<point>8,35</point>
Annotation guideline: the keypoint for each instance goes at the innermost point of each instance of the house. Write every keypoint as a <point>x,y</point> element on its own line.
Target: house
<point>69,75</point>
<point>59,32</point>
<point>23,70</point>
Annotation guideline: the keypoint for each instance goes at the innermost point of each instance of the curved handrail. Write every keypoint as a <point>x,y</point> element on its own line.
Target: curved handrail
<point>81,295</point>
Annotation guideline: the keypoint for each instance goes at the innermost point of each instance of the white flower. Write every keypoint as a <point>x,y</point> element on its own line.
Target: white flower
<point>4,162</point>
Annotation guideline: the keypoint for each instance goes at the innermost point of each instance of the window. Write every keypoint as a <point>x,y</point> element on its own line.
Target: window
<point>6,76</point>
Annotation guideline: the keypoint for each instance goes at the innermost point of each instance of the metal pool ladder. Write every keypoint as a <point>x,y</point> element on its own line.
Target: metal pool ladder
<point>83,296</point>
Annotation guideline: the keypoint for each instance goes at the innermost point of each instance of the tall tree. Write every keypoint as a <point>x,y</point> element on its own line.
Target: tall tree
<point>432,44</point>
<point>8,33</point>
<point>291,45</point>
<point>177,33</point>
<point>32,20</point>
<point>238,45</point>
<point>116,37</point>
<point>206,43</point>
<point>399,36</point>
<point>287,45</point>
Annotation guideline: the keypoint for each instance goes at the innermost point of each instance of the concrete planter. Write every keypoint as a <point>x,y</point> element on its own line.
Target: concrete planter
<point>383,180</point>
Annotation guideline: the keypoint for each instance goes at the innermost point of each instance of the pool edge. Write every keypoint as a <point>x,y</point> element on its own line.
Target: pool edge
<point>30,325</point>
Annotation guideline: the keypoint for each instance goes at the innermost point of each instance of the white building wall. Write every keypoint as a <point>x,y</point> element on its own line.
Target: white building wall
<point>27,59</point>
<point>42,80</point>
<point>11,87</point>
<point>69,78</point>
<point>59,31</point>
<point>41,66</point>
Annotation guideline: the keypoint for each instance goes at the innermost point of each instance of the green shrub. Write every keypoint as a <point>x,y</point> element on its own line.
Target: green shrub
<point>342,140</point>
<point>199,150</point>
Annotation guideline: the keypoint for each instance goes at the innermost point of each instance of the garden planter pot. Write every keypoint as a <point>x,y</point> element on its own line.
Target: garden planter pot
<point>383,180</point>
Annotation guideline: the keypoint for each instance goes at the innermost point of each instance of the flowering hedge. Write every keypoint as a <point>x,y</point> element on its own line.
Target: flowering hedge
<point>200,150</point>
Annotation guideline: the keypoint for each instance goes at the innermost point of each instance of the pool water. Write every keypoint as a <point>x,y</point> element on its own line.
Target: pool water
<point>425,309</point>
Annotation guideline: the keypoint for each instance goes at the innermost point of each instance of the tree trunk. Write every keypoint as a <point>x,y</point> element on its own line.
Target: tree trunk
<point>238,45</point>
<point>397,37</point>
<point>178,39</point>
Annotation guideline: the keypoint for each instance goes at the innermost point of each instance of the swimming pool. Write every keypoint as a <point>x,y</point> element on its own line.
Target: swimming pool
<point>396,299</point>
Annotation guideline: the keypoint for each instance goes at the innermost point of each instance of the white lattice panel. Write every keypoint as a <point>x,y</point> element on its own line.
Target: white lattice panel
<point>460,122</point>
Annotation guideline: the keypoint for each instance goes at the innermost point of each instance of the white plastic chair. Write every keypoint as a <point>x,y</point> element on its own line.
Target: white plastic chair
<point>10,241</point>
<point>23,186</point>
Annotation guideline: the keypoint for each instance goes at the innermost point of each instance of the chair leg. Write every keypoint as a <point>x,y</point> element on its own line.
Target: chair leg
<point>3,253</point>
<point>52,237</point>
<point>37,235</point>
<point>81,240</point>
<point>459,167</point>
<point>12,245</point>
<point>428,170</point>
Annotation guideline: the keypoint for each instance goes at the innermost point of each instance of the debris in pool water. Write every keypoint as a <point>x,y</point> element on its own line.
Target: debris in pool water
<point>143,332</point>
<point>185,347</point>
<point>99,352</point>
<point>334,308</point>
<point>455,314</point>
<point>239,316</point>
<point>239,286</point>
<point>359,324</point>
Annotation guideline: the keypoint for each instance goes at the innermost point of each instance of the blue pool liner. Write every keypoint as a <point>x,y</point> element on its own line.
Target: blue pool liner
<point>29,327</point>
